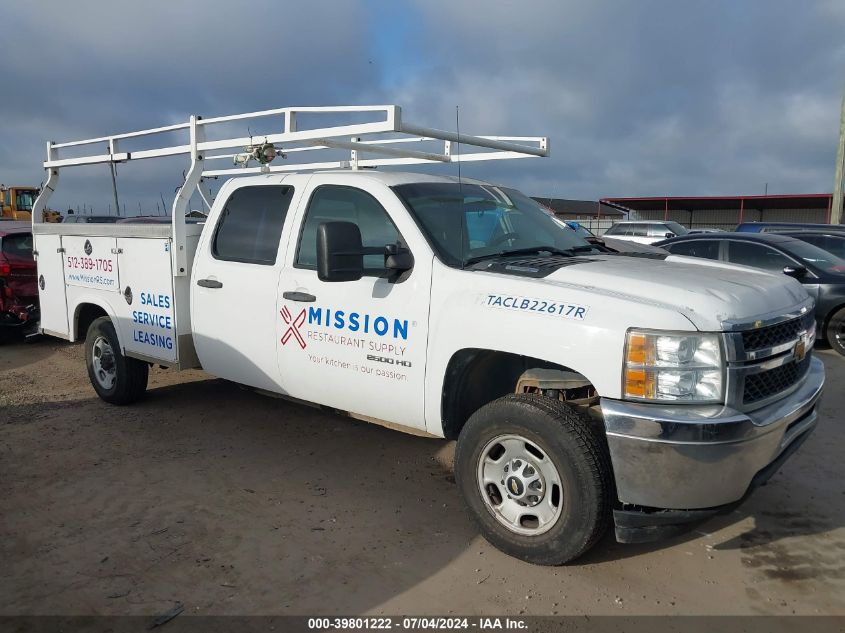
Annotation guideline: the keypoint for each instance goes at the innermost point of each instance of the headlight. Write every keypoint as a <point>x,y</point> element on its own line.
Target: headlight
<point>682,366</point>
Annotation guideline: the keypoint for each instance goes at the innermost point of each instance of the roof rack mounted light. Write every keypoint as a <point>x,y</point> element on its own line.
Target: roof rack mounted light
<point>389,148</point>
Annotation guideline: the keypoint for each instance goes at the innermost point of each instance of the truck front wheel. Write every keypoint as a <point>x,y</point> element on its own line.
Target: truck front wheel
<point>116,378</point>
<point>536,478</point>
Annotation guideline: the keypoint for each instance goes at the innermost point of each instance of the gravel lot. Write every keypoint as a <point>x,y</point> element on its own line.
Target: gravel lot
<point>230,502</point>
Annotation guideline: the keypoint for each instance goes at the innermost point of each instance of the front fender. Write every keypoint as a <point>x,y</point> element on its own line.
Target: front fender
<point>589,341</point>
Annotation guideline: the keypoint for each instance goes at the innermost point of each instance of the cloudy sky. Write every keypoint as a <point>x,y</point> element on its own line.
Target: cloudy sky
<point>645,97</point>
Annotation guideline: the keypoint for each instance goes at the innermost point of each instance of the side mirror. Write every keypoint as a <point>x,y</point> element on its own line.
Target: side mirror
<point>340,254</point>
<point>795,271</point>
<point>398,258</point>
<point>670,234</point>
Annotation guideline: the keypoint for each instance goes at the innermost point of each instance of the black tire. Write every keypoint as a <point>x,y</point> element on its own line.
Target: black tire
<point>130,382</point>
<point>835,331</point>
<point>577,452</point>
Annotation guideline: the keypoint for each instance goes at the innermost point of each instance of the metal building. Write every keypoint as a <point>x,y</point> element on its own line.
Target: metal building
<point>725,212</point>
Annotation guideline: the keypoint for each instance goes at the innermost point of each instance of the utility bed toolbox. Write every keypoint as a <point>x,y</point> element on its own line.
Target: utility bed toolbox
<point>128,269</point>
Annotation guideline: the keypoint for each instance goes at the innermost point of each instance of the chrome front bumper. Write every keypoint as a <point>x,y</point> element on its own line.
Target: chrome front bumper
<point>692,457</point>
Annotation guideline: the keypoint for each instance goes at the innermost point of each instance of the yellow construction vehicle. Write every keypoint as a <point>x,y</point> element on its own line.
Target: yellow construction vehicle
<point>16,203</point>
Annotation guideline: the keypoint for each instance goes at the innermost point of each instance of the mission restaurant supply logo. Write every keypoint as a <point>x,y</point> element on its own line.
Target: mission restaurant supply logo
<point>342,320</point>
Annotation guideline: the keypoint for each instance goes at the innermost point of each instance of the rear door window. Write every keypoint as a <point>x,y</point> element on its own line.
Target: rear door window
<point>250,225</point>
<point>637,230</point>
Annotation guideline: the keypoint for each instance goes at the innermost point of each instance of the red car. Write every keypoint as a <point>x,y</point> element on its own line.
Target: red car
<point>18,279</point>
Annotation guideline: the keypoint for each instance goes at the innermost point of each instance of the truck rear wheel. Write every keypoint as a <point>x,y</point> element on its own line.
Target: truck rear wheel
<point>536,478</point>
<point>116,378</point>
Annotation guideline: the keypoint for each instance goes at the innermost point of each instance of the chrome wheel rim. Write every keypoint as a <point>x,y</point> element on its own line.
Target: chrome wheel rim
<point>520,485</point>
<point>103,362</point>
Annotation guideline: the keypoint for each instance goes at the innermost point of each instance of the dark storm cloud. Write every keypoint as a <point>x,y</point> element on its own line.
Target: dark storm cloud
<point>85,69</point>
<point>645,97</point>
<point>639,98</point>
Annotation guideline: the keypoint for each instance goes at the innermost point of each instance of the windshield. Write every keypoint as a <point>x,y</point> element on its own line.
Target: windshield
<point>491,220</point>
<point>580,230</point>
<point>814,256</point>
<point>24,199</point>
<point>676,228</point>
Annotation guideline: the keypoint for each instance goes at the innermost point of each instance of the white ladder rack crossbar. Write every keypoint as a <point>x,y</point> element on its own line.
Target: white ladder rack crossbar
<point>316,138</point>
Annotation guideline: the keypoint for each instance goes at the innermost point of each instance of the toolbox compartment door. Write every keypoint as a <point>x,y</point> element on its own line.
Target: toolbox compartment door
<point>147,312</point>
<point>51,285</point>
<point>91,262</point>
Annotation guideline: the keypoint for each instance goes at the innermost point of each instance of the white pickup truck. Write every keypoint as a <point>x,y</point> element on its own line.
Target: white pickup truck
<point>582,386</point>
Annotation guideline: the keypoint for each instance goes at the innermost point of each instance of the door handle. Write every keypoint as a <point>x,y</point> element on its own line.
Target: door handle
<point>299,296</point>
<point>209,283</point>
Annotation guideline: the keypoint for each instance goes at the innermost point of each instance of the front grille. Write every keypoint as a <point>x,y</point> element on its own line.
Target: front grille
<point>773,381</point>
<point>773,335</point>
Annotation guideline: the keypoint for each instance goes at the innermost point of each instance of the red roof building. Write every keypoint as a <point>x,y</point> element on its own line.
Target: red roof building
<point>725,212</point>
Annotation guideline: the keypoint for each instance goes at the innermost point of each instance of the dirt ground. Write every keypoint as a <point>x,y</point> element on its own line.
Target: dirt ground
<point>230,502</point>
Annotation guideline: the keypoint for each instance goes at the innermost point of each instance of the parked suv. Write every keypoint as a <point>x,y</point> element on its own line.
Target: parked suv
<point>18,285</point>
<point>645,232</point>
<point>821,272</point>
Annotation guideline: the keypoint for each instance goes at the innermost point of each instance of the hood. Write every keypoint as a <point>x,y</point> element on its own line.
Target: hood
<point>707,292</point>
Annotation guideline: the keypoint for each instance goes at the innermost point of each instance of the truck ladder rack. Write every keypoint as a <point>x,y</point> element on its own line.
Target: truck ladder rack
<point>390,148</point>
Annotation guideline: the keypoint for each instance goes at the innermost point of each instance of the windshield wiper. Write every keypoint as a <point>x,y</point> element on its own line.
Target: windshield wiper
<point>568,252</point>
<point>540,249</point>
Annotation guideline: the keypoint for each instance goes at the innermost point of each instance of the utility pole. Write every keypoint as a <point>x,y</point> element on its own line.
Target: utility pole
<point>836,204</point>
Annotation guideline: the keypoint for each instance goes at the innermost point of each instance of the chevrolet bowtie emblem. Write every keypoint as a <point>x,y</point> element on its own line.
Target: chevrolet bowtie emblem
<point>801,347</point>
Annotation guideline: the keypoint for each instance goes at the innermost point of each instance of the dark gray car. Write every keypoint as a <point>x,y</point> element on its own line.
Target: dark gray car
<point>821,273</point>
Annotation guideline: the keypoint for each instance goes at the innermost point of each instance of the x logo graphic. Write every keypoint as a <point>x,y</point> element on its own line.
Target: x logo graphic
<point>293,326</point>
